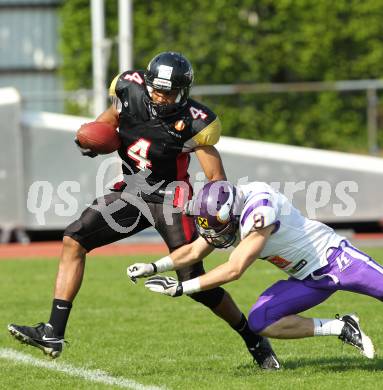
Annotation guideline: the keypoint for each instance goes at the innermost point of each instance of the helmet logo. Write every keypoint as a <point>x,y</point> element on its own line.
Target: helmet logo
<point>165,72</point>
<point>189,74</point>
<point>223,214</point>
<point>202,222</point>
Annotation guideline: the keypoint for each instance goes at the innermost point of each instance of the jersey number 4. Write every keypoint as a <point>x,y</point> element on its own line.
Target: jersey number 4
<point>196,113</point>
<point>139,153</point>
<point>135,77</point>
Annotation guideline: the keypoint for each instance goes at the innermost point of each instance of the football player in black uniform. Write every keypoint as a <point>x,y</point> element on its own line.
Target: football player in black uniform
<point>159,126</point>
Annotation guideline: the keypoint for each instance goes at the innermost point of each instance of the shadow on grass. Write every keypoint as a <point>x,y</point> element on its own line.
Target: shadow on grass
<point>339,364</point>
<point>334,364</point>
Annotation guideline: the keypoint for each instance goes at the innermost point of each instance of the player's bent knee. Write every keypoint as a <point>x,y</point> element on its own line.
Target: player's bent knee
<point>210,298</point>
<point>71,245</point>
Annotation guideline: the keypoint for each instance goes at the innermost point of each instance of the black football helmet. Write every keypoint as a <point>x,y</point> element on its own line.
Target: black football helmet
<point>166,72</point>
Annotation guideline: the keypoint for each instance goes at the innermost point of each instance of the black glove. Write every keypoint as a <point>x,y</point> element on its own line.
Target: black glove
<point>85,152</point>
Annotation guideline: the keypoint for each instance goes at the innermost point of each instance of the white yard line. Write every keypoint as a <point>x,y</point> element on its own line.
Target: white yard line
<point>98,376</point>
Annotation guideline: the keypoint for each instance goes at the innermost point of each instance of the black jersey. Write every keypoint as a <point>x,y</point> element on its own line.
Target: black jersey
<point>161,145</point>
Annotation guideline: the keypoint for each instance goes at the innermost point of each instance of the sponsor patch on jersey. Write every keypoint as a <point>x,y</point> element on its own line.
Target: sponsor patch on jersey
<point>165,72</point>
<point>278,261</point>
<point>179,125</point>
<point>297,267</point>
<point>202,222</point>
<point>174,134</point>
<point>162,84</point>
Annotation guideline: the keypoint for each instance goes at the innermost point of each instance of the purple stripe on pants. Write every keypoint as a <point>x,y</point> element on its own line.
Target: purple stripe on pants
<point>349,270</point>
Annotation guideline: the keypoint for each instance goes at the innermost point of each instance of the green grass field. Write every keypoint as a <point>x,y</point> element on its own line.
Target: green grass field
<point>173,343</point>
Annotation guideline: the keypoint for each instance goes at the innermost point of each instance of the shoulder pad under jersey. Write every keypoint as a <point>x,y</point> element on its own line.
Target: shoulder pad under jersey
<point>206,126</point>
<point>130,78</point>
<point>258,213</point>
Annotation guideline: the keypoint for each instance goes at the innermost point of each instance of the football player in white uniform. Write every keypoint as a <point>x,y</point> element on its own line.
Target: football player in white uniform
<point>263,224</point>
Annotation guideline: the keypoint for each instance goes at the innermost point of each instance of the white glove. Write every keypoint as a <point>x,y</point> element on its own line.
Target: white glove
<point>165,285</point>
<point>140,270</point>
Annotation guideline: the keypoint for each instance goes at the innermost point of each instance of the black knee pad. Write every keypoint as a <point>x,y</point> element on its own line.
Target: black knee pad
<point>210,298</point>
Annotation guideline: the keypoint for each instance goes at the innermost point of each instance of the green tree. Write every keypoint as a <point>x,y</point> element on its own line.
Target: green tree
<point>243,41</point>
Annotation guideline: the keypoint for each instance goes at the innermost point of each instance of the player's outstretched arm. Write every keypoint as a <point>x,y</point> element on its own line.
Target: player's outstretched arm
<point>211,163</point>
<point>185,255</point>
<point>241,258</point>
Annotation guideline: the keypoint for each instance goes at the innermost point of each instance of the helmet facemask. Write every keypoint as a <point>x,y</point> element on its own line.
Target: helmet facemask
<point>221,239</point>
<point>163,109</point>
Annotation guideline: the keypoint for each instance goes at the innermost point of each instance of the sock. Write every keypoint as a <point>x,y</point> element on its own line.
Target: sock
<point>251,339</point>
<point>59,316</point>
<point>324,327</point>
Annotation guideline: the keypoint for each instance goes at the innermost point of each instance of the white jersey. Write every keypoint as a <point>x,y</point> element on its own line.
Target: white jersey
<point>297,245</point>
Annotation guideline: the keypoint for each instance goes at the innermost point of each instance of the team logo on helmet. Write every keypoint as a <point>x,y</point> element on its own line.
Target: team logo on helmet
<point>202,222</point>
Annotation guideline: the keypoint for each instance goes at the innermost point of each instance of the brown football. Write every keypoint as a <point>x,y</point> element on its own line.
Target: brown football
<point>99,137</point>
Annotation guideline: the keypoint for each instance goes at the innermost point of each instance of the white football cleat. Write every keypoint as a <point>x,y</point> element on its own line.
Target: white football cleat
<point>352,334</point>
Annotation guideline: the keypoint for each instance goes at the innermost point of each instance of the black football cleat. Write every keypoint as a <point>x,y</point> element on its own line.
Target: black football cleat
<point>264,355</point>
<point>352,334</point>
<point>40,336</point>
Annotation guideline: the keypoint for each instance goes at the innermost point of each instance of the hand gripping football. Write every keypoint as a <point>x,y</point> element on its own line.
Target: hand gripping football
<point>99,137</point>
